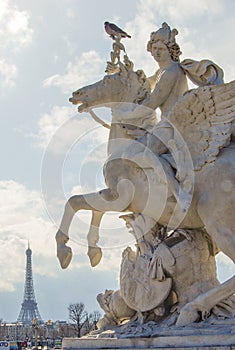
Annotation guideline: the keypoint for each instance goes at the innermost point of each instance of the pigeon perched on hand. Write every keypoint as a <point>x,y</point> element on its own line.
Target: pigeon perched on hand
<point>114,31</point>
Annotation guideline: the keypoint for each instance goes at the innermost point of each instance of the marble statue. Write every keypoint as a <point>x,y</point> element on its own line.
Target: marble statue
<point>177,173</point>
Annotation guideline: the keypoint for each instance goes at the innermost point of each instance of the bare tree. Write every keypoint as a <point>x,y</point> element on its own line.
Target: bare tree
<point>93,319</point>
<point>79,316</point>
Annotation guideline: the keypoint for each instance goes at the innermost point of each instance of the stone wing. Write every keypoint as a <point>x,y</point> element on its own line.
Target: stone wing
<point>205,117</point>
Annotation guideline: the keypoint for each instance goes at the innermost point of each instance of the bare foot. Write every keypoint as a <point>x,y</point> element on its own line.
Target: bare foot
<point>64,253</point>
<point>95,255</point>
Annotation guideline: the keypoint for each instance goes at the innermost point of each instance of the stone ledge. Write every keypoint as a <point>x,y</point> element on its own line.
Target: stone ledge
<point>194,342</point>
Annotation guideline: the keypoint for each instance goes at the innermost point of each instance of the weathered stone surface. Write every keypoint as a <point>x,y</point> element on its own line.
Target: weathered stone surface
<point>213,338</point>
<point>177,174</point>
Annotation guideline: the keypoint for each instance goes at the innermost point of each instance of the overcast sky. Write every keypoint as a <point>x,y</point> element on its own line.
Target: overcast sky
<point>49,49</point>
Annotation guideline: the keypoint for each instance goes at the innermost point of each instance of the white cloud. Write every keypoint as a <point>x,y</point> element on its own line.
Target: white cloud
<point>70,13</point>
<point>49,123</point>
<point>86,69</point>
<point>16,31</point>
<point>180,10</point>
<point>22,219</point>
<point>8,72</point>
<point>62,127</point>
<point>14,196</point>
<point>15,34</point>
<point>57,127</point>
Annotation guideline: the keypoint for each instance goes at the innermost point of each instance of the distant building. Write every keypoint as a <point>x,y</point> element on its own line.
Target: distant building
<point>47,333</point>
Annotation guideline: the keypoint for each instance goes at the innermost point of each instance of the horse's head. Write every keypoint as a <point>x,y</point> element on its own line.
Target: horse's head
<point>124,86</point>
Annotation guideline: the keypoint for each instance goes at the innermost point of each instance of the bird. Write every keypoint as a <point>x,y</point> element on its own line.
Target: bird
<point>114,31</point>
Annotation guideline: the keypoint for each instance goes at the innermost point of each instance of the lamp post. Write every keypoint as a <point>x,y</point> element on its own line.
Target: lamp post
<point>48,326</point>
<point>35,328</point>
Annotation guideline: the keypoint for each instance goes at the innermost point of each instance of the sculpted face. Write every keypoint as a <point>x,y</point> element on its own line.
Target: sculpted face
<point>160,52</point>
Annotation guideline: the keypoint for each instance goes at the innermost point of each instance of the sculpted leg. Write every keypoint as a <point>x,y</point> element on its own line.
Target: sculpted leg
<point>221,230</point>
<point>220,226</point>
<point>150,157</point>
<point>163,169</point>
<point>102,201</point>
<point>64,253</point>
<point>182,196</point>
<point>94,252</point>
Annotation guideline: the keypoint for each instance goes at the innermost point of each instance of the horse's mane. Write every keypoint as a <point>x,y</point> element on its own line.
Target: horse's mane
<point>126,70</point>
<point>145,89</point>
<point>138,123</point>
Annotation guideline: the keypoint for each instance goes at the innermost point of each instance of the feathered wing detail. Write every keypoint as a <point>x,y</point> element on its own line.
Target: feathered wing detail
<point>204,118</point>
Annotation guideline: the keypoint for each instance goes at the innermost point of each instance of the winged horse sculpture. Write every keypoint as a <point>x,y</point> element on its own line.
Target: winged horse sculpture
<point>204,117</point>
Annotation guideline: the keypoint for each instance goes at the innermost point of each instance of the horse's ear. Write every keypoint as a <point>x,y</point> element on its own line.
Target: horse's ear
<point>126,66</point>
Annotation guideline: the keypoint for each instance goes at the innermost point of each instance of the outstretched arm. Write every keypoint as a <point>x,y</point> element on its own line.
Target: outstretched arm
<point>162,90</point>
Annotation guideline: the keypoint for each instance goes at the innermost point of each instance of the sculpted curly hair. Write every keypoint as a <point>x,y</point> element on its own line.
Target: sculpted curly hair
<point>173,48</point>
<point>167,36</point>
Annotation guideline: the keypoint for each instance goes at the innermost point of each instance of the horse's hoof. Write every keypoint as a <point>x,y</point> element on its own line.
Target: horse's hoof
<point>95,255</point>
<point>188,315</point>
<point>61,237</point>
<point>64,255</point>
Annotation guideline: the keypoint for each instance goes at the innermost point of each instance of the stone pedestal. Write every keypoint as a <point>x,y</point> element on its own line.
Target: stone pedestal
<point>195,338</point>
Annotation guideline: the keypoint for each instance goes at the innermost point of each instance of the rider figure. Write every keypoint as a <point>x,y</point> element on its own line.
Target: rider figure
<point>168,84</point>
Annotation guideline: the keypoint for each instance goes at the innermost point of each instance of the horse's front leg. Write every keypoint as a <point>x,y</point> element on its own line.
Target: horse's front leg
<point>102,201</point>
<point>94,252</point>
<point>64,253</point>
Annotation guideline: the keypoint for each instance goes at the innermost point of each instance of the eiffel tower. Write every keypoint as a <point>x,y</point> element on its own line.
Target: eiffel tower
<point>29,309</point>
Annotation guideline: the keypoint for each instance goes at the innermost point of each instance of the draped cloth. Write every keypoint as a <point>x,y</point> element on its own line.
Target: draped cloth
<point>204,72</point>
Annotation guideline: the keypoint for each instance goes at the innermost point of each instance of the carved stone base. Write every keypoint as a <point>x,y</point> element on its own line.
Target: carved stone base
<point>143,343</point>
<point>216,337</point>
